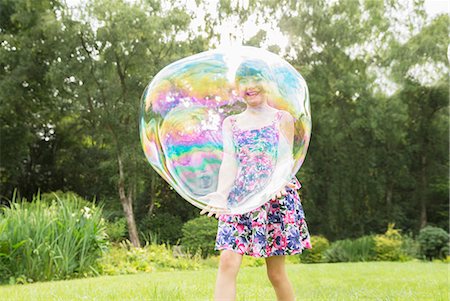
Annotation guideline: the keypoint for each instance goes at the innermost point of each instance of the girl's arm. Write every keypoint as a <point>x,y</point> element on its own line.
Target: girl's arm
<point>217,201</point>
<point>229,166</point>
<point>287,130</point>
<point>285,160</point>
<point>295,183</point>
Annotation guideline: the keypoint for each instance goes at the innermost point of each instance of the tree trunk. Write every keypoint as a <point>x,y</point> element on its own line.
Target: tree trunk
<point>127,205</point>
<point>151,205</point>
<point>423,195</point>
<point>390,212</point>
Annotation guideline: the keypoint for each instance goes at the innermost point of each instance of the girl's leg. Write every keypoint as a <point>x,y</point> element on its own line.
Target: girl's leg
<point>229,265</point>
<point>279,279</point>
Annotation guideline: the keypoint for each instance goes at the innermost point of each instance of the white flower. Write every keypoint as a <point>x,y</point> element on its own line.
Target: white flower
<point>86,212</point>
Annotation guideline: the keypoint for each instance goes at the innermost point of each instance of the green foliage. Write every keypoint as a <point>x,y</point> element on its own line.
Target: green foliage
<point>347,250</point>
<point>126,259</point>
<point>315,255</point>
<point>165,226</point>
<point>434,242</point>
<point>29,32</point>
<point>389,246</point>
<point>249,261</point>
<point>388,249</point>
<point>410,246</point>
<point>372,147</point>
<point>199,234</point>
<point>42,241</point>
<point>68,196</point>
<point>70,97</point>
<point>364,248</point>
<point>117,229</point>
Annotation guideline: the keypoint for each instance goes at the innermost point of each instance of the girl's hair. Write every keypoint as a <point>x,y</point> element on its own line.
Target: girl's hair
<point>253,67</point>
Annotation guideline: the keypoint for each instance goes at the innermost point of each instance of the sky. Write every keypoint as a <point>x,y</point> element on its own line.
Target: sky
<point>435,7</point>
<point>232,34</point>
<point>275,37</point>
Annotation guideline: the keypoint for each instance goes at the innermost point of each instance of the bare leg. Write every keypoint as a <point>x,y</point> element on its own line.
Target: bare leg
<point>279,279</point>
<point>229,265</point>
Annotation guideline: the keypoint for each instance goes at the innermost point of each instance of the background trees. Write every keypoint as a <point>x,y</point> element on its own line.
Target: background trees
<point>71,80</point>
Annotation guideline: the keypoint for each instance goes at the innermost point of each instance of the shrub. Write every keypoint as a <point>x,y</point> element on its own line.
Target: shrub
<point>434,242</point>
<point>363,249</point>
<point>247,261</point>
<point>117,229</point>
<point>43,240</point>
<point>67,196</point>
<point>250,261</point>
<point>410,246</point>
<point>127,259</point>
<point>347,250</point>
<point>388,246</point>
<point>199,235</point>
<point>337,252</point>
<point>292,259</point>
<point>316,254</point>
<point>164,226</point>
<point>211,261</point>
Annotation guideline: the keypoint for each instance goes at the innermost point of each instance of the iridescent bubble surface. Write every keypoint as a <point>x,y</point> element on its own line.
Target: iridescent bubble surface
<point>183,132</point>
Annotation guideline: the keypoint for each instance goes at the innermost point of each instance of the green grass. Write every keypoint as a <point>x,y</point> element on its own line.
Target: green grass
<point>336,281</point>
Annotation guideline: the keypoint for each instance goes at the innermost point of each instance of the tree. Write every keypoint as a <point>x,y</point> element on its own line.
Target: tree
<point>28,112</point>
<point>115,50</point>
<point>419,66</point>
<point>357,169</point>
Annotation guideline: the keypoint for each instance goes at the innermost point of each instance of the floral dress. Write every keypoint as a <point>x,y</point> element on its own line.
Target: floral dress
<point>278,227</point>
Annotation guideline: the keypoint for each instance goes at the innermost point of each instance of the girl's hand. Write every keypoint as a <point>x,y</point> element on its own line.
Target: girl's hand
<point>283,191</point>
<point>217,204</point>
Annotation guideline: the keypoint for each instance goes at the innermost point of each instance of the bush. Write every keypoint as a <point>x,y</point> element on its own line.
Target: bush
<point>337,252</point>
<point>126,259</point>
<point>117,229</point>
<point>199,235</point>
<point>347,250</point>
<point>316,254</point>
<point>410,246</point>
<point>47,240</point>
<point>364,248</point>
<point>250,261</point>
<point>388,246</point>
<point>293,259</point>
<point>165,227</point>
<point>68,197</point>
<point>211,261</point>
<point>434,242</point>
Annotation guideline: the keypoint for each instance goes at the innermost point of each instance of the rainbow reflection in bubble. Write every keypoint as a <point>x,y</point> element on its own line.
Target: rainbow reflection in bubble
<point>183,108</point>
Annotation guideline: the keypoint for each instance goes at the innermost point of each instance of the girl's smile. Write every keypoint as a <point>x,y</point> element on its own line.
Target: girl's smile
<point>251,92</point>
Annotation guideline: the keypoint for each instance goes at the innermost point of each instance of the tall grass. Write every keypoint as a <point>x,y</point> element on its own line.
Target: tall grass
<point>42,240</point>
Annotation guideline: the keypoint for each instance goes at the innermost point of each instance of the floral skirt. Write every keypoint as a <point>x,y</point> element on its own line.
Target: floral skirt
<point>276,228</point>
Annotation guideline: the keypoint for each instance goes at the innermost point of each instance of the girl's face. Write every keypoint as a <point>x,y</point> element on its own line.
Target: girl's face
<point>251,89</point>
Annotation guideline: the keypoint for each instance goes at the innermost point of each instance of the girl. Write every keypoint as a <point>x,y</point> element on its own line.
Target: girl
<point>252,155</point>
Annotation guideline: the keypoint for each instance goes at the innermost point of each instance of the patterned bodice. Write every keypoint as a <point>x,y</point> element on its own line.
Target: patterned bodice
<point>256,152</point>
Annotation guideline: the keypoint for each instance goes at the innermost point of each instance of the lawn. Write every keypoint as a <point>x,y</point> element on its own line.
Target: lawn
<point>337,281</point>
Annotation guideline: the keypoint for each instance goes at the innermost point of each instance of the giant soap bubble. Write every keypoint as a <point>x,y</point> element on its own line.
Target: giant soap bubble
<point>226,128</point>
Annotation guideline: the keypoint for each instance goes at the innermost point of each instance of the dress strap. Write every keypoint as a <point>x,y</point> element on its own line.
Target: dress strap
<point>233,123</point>
<point>278,117</point>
